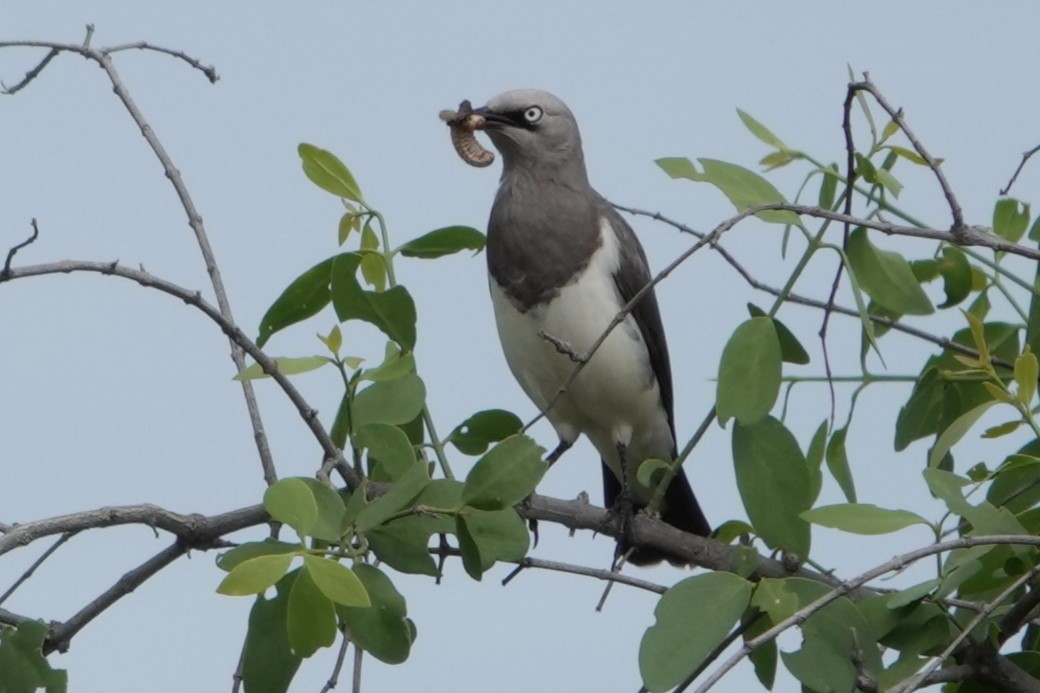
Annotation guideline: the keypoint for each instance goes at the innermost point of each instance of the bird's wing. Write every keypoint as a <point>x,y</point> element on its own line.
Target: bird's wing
<point>633,273</point>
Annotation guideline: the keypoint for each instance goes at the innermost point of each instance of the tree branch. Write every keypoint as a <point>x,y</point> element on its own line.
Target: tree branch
<point>234,333</point>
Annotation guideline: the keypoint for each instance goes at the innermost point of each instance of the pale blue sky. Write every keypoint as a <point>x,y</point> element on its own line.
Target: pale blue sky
<point>115,395</point>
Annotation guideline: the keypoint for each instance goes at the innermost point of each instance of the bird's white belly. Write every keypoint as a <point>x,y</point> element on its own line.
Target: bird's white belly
<point>615,398</point>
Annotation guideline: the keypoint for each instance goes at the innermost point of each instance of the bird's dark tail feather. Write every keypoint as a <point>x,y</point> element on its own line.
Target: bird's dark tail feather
<point>680,509</point>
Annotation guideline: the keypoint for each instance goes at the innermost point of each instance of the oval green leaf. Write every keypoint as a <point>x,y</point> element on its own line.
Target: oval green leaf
<point>692,619</point>
<point>311,619</point>
<point>326,171</point>
<point>381,629</point>
<point>336,581</point>
<point>749,372</point>
<point>505,475</point>
<point>255,575</point>
<point>290,501</point>
<point>303,298</point>
<point>773,480</point>
<point>475,434</point>
<point>393,402</point>
<point>863,518</point>
<point>392,311</point>
<point>446,241</point>
<point>886,276</point>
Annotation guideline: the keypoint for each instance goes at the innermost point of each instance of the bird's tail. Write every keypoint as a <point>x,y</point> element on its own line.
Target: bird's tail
<point>680,509</point>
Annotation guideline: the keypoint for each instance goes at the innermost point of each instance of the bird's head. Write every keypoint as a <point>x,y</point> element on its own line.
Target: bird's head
<point>533,129</point>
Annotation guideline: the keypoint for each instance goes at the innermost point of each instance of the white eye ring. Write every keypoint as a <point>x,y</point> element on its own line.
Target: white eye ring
<point>533,114</point>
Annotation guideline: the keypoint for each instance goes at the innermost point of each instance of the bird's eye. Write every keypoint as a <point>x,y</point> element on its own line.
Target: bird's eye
<point>533,114</point>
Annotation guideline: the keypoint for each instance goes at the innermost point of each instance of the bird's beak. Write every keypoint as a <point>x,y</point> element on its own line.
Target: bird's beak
<point>491,120</point>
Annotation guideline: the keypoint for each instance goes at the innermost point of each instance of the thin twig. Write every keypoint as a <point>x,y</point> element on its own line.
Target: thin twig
<point>59,634</point>
<point>234,333</point>
<point>334,676</point>
<point>897,116</point>
<point>847,586</point>
<point>914,682</point>
<point>14,249</point>
<point>598,573</point>
<point>1021,164</point>
<point>36,564</point>
<point>103,57</point>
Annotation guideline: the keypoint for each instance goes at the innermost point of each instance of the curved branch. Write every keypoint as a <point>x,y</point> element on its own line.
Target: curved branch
<point>103,57</point>
<point>234,333</point>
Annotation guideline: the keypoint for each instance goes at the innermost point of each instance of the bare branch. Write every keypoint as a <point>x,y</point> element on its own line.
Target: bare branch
<point>915,681</point>
<point>1026,156</point>
<point>897,116</point>
<point>36,564</point>
<point>598,573</point>
<point>334,677</point>
<point>847,587</point>
<point>60,634</point>
<point>234,333</point>
<point>14,249</point>
<point>103,57</point>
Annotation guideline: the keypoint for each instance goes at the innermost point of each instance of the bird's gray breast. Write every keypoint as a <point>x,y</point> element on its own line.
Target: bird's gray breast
<point>540,238</point>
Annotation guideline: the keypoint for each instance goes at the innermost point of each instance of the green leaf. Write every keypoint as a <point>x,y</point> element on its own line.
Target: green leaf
<point>373,265</point>
<point>475,434</point>
<point>382,629</point>
<point>760,131</point>
<point>773,480</point>
<point>389,446</point>
<point>862,518</point>
<point>913,594</point>
<point>833,638</point>
<point>1010,218</point>
<point>730,530</point>
<point>763,658</point>
<point>671,649</point>
<point>243,552</point>
<point>392,311</point>
<point>336,581</point>
<point>393,402</point>
<point>487,536</point>
<point>956,274</point>
<point>744,561</point>
<point>645,475</point>
<point>341,424</point>
<point>775,598</point>
<point>828,186</point>
<point>395,365</point>
<point>505,475</point>
<point>328,525</point>
<point>886,276</point>
<point>956,431</point>
<point>303,298</point>
<point>255,575</point>
<point>311,620</point>
<point>268,664</point>
<point>334,341</point>
<point>446,241</point>
<point>1025,377</point>
<point>328,172</point>
<point>290,501</point>
<point>286,366</point>
<point>404,543</point>
<point>888,181</point>
<point>350,221</point>
<point>744,188</point>
<point>908,154</point>
<point>814,460</point>
<point>403,492</point>
<point>22,663</point>
<point>838,465</point>
<point>791,350</point>
<point>749,372</point>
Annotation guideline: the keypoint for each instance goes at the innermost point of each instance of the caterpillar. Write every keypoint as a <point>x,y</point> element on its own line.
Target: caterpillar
<point>463,123</point>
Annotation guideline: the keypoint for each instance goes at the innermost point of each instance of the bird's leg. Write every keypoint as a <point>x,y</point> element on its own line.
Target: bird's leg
<point>623,505</point>
<point>563,447</point>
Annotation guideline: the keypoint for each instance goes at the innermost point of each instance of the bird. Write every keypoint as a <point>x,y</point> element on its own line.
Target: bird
<point>562,263</point>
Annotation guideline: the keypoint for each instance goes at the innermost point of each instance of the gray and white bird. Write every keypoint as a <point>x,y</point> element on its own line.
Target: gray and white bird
<point>563,262</point>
